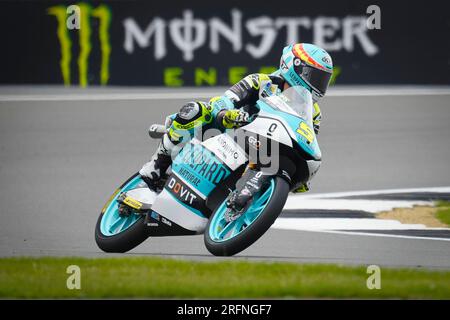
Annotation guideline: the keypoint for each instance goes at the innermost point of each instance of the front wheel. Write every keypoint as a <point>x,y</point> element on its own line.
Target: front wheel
<point>116,233</point>
<point>224,238</point>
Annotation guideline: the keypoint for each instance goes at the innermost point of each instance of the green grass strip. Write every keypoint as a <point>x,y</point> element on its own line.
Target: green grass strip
<point>169,278</point>
<point>443,213</point>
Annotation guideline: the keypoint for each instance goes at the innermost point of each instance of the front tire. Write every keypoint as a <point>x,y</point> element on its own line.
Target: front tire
<point>254,230</point>
<point>114,233</point>
<point>124,241</point>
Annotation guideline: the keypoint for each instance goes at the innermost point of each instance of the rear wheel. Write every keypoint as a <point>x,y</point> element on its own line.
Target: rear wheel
<point>224,238</point>
<point>118,233</point>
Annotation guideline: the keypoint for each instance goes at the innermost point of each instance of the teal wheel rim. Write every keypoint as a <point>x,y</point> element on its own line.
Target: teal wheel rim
<point>112,223</point>
<point>220,230</point>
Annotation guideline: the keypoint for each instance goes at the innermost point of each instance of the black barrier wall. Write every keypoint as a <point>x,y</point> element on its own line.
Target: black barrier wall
<point>205,43</point>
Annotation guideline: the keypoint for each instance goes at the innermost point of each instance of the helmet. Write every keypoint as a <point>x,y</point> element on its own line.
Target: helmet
<point>307,65</point>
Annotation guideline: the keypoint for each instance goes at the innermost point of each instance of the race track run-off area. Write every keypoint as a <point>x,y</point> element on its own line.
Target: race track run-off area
<point>64,151</point>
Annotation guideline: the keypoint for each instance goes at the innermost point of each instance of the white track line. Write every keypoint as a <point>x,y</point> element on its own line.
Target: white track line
<point>370,192</point>
<point>105,96</point>
<point>373,206</point>
<point>383,235</point>
<point>333,201</point>
<point>344,224</point>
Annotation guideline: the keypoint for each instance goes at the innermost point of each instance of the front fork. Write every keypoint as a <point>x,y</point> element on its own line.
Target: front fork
<point>253,180</point>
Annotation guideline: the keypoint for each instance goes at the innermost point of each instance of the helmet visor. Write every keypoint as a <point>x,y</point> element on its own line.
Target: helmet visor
<point>316,78</point>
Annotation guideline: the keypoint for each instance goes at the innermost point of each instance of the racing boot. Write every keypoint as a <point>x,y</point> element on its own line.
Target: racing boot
<point>304,187</point>
<point>154,171</point>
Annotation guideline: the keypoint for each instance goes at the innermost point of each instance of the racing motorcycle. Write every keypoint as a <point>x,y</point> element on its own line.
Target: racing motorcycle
<point>193,196</point>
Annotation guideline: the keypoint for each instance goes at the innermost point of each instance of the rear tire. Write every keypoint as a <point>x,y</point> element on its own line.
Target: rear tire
<point>256,229</point>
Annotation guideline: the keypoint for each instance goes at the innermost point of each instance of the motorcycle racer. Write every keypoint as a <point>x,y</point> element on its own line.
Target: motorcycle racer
<point>301,64</point>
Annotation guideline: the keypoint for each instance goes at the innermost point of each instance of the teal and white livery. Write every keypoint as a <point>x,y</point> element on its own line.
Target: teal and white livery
<point>193,197</point>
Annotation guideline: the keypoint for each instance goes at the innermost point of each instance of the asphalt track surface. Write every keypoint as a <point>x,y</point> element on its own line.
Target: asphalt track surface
<point>60,159</point>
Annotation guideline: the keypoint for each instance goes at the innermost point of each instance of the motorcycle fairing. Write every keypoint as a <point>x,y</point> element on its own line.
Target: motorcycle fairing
<point>227,150</point>
<point>169,207</point>
<point>196,171</point>
<point>200,168</point>
<point>295,126</point>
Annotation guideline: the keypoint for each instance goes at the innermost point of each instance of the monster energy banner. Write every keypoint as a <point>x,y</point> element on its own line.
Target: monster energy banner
<point>205,43</point>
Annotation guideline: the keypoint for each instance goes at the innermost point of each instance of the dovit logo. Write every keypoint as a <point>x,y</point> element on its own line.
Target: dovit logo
<point>85,13</point>
<point>183,192</point>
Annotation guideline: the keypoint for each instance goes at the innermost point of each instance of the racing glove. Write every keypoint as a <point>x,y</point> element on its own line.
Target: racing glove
<point>235,118</point>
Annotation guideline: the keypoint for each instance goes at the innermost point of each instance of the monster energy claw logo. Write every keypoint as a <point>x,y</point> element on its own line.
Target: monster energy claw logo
<point>82,13</point>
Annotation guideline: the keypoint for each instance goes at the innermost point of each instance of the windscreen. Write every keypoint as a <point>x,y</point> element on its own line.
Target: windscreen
<point>294,100</point>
